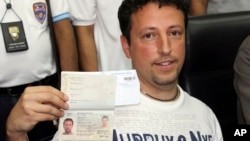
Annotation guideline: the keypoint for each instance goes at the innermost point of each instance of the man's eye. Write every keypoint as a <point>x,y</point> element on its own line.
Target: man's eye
<point>175,33</point>
<point>148,35</point>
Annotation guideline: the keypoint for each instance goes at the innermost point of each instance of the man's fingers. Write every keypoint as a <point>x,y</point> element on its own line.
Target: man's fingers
<point>47,95</point>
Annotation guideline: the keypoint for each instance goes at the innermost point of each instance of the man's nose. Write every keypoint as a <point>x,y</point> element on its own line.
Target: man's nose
<point>165,45</point>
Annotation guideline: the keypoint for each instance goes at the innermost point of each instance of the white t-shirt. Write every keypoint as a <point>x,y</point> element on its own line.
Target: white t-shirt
<point>103,14</point>
<point>224,6</point>
<point>37,62</point>
<point>186,119</point>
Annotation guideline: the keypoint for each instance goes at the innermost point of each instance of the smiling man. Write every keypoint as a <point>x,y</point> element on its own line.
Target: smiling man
<point>153,36</point>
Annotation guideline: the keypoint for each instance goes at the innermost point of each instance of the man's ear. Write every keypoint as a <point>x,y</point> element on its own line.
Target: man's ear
<point>125,46</point>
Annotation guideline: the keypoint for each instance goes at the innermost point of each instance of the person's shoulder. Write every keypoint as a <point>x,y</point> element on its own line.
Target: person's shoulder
<point>195,102</point>
<point>243,53</point>
<point>246,43</point>
<point>200,107</point>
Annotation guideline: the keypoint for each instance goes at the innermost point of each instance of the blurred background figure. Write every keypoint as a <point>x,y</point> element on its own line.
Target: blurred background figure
<point>97,31</point>
<point>202,7</point>
<point>242,81</point>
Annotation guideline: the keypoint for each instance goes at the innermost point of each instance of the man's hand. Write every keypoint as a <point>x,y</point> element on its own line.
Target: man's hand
<point>39,103</point>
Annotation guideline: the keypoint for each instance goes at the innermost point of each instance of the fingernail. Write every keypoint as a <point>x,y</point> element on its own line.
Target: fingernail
<point>66,97</point>
<point>66,105</point>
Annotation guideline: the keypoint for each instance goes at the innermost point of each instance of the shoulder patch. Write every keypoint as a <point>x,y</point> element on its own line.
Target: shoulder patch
<point>40,11</point>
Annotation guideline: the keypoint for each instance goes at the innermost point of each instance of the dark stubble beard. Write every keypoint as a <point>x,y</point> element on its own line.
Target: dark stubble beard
<point>164,81</point>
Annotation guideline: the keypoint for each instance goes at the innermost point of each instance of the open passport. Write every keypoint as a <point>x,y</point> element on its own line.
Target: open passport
<point>93,97</point>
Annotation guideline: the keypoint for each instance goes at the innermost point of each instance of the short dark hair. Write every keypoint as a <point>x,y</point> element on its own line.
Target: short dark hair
<point>105,117</point>
<point>128,7</point>
<point>68,119</point>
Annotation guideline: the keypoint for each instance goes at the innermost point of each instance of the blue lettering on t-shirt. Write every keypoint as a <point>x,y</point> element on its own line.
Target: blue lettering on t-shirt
<point>149,137</point>
<point>181,138</point>
<point>137,137</point>
<point>195,136</point>
<point>200,137</point>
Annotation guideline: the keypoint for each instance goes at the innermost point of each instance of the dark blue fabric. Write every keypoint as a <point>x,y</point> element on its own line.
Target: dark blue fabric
<point>6,104</point>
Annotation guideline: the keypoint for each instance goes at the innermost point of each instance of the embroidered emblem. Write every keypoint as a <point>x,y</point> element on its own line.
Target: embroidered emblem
<point>40,11</point>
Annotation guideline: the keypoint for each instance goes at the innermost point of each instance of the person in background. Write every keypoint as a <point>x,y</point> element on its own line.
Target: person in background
<point>97,32</point>
<point>26,53</point>
<point>242,81</point>
<point>157,51</point>
<point>203,7</point>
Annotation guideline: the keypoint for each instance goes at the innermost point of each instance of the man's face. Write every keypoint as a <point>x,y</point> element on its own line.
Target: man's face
<point>157,46</point>
<point>67,127</point>
<point>104,122</point>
